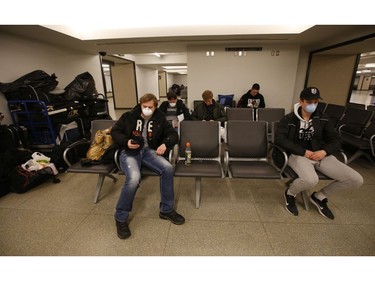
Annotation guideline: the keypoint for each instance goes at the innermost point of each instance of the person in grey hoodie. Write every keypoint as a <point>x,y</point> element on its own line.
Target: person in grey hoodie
<point>310,139</point>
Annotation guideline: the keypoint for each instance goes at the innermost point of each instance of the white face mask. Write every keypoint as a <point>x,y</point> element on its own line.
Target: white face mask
<point>147,112</point>
<point>310,108</point>
<point>172,104</point>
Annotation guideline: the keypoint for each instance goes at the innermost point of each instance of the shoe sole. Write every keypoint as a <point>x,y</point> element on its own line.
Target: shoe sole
<point>166,218</point>
<point>318,207</point>
<point>124,237</point>
<point>286,208</point>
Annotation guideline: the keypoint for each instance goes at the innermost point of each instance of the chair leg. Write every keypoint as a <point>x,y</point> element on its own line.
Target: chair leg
<point>197,192</point>
<point>358,154</point>
<point>112,177</point>
<point>99,185</point>
<point>305,199</point>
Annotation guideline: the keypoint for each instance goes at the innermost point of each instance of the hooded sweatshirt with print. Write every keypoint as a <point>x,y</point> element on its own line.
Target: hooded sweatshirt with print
<point>131,125</point>
<point>297,135</point>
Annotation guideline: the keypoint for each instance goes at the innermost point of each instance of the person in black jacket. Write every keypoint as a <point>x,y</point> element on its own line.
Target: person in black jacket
<point>311,140</point>
<point>252,98</point>
<point>144,136</point>
<point>208,109</point>
<point>173,108</point>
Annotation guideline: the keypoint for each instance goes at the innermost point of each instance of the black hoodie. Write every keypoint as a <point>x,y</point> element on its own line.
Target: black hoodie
<point>130,126</point>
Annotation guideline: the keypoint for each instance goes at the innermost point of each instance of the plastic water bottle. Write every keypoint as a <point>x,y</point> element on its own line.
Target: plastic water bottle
<point>188,154</point>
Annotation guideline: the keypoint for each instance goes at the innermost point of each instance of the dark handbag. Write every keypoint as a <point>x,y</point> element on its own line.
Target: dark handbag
<point>22,180</point>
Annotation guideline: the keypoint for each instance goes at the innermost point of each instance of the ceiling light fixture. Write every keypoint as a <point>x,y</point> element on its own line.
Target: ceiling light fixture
<point>170,67</point>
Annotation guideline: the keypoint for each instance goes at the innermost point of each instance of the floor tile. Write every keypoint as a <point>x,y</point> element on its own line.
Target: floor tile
<point>318,239</point>
<point>218,238</point>
<point>97,236</point>
<point>36,233</point>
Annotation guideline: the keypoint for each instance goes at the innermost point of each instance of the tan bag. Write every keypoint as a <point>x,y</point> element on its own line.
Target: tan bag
<point>102,141</point>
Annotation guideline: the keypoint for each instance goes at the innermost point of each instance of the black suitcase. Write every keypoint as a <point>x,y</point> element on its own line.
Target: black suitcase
<point>15,136</point>
<point>20,136</point>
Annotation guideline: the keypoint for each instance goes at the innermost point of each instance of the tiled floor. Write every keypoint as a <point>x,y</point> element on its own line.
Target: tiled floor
<point>237,217</point>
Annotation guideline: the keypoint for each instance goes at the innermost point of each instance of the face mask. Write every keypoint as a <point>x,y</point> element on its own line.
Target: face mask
<point>147,112</point>
<point>172,104</point>
<point>310,108</point>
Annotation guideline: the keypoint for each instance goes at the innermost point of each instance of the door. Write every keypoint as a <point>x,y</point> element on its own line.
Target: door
<point>124,85</point>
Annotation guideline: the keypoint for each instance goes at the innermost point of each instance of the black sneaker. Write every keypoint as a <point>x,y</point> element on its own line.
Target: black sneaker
<point>290,204</point>
<point>123,230</point>
<point>322,206</point>
<point>173,217</point>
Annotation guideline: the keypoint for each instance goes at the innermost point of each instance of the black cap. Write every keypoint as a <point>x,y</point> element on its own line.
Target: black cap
<point>310,93</point>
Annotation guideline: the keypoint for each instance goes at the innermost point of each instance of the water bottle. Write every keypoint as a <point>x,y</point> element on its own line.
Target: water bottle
<point>188,154</point>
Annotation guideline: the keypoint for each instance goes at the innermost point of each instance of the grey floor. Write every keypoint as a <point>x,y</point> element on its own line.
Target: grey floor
<point>237,217</point>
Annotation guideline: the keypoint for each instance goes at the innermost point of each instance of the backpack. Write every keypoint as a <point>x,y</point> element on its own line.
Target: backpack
<point>176,89</point>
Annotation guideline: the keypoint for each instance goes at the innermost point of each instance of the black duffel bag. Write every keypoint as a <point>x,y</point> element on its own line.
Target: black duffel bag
<point>81,88</point>
<point>29,86</point>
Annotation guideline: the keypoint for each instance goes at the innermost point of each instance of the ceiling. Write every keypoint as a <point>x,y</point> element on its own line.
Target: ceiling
<point>313,38</point>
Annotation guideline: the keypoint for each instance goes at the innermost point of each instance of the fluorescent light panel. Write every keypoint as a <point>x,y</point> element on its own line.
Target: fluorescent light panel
<point>99,30</point>
<point>174,67</point>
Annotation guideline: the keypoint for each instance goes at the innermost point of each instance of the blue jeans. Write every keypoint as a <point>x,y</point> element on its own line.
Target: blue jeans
<point>131,166</point>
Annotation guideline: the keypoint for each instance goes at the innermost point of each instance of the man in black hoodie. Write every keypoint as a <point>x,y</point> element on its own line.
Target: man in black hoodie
<point>310,138</point>
<point>144,135</point>
<point>252,98</point>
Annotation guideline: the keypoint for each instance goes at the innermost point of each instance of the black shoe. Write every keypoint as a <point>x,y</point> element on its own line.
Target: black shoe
<point>173,217</point>
<point>290,204</point>
<point>123,230</point>
<point>322,206</point>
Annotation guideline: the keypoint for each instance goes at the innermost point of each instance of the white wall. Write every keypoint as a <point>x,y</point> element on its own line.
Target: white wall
<point>20,56</point>
<point>147,81</point>
<point>228,74</point>
<point>300,76</point>
<point>180,79</point>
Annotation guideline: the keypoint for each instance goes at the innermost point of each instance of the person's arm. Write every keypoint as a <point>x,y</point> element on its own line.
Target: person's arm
<point>163,107</point>
<point>241,102</point>
<point>331,137</point>
<point>170,136</point>
<point>186,113</point>
<point>182,109</point>
<point>284,128</point>
<point>119,133</point>
<point>262,103</point>
<point>196,115</point>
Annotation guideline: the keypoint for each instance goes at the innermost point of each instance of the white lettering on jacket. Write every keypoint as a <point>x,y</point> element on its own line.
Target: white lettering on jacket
<point>139,125</point>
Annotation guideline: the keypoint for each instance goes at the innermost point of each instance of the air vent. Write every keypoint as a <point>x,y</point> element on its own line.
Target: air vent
<point>247,49</point>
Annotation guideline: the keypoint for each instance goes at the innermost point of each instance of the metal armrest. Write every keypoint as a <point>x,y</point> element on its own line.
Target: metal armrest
<point>73,146</point>
<point>372,139</point>
<point>226,158</point>
<point>348,125</point>
<point>341,156</point>
<point>281,152</point>
<point>171,157</point>
<point>116,159</point>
